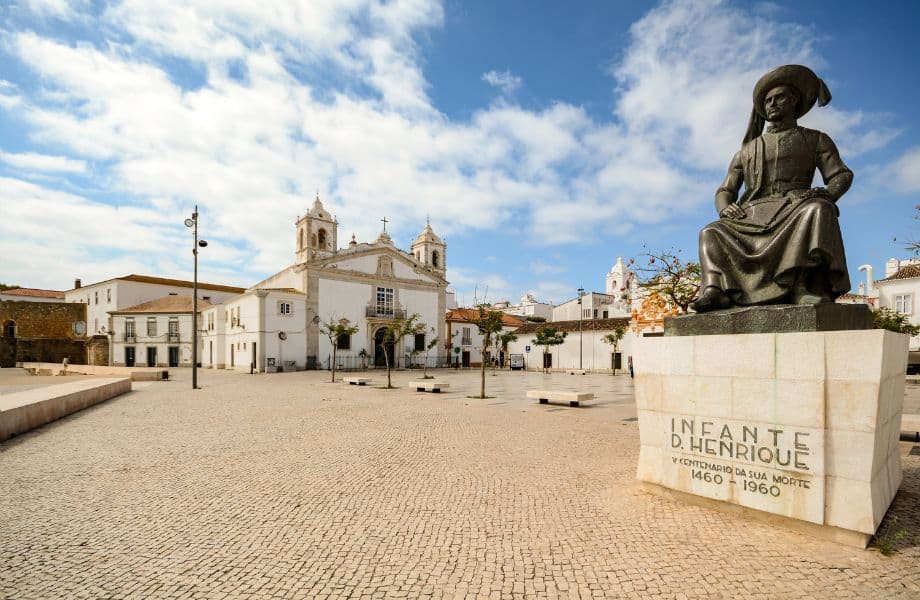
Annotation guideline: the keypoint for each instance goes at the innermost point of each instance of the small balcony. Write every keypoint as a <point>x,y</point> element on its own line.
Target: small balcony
<point>384,312</point>
<point>467,341</point>
<point>173,338</point>
<point>130,338</point>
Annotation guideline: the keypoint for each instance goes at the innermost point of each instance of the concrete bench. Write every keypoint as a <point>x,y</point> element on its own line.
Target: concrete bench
<point>357,380</point>
<point>429,386</point>
<point>573,398</point>
<point>577,372</point>
<point>910,427</point>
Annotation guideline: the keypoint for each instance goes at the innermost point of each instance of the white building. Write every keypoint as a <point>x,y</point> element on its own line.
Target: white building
<point>529,306</point>
<point>22,294</point>
<point>465,339</point>
<point>122,292</point>
<point>261,329</point>
<point>584,346</point>
<point>277,322</point>
<point>157,333</point>
<point>898,291</point>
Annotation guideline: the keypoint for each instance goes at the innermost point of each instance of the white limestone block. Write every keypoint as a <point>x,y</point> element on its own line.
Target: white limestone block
<point>750,354</point>
<point>854,355</point>
<point>677,392</point>
<point>800,356</point>
<point>650,468</point>
<point>648,391</point>
<point>648,356</point>
<point>849,454</point>
<point>848,504</point>
<point>852,405</point>
<point>678,353</point>
<point>712,396</point>
<point>651,429</point>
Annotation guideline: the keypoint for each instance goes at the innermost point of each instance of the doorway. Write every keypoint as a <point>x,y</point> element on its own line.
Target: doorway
<point>151,356</point>
<point>617,360</point>
<point>379,359</point>
<point>547,360</point>
<point>254,363</point>
<point>232,356</point>
<point>173,356</point>
<point>129,356</point>
<point>465,359</point>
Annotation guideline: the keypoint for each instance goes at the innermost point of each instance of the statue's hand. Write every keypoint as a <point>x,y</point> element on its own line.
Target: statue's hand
<point>732,211</point>
<point>818,192</point>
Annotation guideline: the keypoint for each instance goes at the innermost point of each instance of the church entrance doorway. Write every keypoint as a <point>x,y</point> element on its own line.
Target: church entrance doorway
<point>379,358</point>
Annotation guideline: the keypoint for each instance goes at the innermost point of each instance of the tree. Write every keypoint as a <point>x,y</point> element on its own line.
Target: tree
<point>913,246</point>
<point>535,319</point>
<point>613,338</point>
<point>666,274</point>
<point>489,323</point>
<point>4,286</point>
<point>502,340</point>
<point>885,318</point>
<point>393,334</point>
<point>431,344</point>
<point>548,337</point>
<point>335,330</point>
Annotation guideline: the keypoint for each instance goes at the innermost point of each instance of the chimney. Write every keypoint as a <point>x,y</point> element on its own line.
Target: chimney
<point>870,280</point>
<point>76,283</point>
<point>891,267</point>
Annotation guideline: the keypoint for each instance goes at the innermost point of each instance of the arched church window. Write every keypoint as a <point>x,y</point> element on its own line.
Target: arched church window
<point>434,258</point>
<point>322,238</point>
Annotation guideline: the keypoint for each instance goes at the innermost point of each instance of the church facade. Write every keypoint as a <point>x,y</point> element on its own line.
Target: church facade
<point>276,324</point>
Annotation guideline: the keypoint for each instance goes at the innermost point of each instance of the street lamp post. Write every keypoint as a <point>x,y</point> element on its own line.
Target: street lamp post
<point>581,313</point>
<point>193,223</point>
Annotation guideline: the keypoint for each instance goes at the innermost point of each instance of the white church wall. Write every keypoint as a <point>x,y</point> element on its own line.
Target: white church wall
<point>293,327</point>
<point>361,264</point>
<point>425,303</point>
<point>596,355</point>
<point>287,278</point>
<point>404,271</point>
<point>344,300</point>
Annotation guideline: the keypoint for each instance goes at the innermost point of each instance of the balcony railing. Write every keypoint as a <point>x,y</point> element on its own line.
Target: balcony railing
<point>173,338</point>
<point>130,338</point>
<point>386,312</point>
<point>466,341</point>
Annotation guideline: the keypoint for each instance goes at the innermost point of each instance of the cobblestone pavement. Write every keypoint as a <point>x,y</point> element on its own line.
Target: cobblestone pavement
<point>291,487</point>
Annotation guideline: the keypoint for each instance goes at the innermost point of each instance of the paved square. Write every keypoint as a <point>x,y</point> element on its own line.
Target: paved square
<point>289,486</point>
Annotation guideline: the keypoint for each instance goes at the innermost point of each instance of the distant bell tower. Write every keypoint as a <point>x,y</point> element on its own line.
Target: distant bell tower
<point>317,233</point>
<point>430,250</point>
<point>617,278</point>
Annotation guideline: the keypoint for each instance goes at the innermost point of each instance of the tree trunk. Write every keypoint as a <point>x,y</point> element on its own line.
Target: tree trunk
<point>482,376</point>
<point>333,363</point>
<point>386,358</point>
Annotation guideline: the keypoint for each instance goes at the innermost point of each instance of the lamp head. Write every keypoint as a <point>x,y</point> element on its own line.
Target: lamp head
<point>202,243</point>
<point>189,222</point>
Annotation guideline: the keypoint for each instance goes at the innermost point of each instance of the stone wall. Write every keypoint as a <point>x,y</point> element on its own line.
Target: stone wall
<point>42,331</point>
<point>44,319</point>
<point>97,350</point>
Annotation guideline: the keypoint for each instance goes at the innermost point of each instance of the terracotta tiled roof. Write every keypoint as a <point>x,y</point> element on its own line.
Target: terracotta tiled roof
<point>466,315</point>
<point>166,304</point>
<point>905,272</point>
<point>34,293</point>
<point>586,325</point>
<point>175,282</point>
<point>287,290</point>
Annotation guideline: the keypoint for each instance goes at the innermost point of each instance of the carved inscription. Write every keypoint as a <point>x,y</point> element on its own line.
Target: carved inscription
<point>766,466</point>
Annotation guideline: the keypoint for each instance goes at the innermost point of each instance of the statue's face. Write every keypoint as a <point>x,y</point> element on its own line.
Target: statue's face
<point>780,103</point>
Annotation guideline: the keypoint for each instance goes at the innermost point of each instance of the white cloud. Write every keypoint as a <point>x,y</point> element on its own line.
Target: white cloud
<point>504,80</point>
<point>295,96</point>
<point>906,171</point>
<point>31,161</point>
<point>540,267</point>
<point>65,10</point>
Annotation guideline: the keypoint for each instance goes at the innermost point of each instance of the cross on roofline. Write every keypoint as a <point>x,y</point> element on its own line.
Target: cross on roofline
<point>384,223</point>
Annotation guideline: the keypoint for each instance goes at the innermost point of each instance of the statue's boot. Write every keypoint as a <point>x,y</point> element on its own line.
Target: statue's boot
<point>711,298</point>
<point>802,295</point>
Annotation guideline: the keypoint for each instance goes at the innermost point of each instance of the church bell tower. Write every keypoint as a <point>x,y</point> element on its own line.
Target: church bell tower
<point>317,233</point>
<point>430,250</point>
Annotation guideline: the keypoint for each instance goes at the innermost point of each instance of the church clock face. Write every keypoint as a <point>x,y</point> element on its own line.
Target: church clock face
<point>79,327</point>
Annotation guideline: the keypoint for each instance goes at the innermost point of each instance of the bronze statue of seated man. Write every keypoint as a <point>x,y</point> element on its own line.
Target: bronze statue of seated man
<point>780,242</point>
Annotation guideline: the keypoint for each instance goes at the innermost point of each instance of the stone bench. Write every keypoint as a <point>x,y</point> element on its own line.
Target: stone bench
<point>429,386</point>
<point>357,380</point>
<point>577,372</point>
<point>573,398</point>
<point>910,426</point>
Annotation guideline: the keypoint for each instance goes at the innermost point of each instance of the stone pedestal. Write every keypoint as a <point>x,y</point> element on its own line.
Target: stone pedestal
<point>802,425</point>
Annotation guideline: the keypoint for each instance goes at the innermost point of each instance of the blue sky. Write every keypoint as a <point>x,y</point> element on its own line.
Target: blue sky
<point>544,139</point>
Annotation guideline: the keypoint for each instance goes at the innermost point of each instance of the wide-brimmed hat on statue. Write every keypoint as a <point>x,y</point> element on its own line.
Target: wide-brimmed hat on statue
<point>809,85</point>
